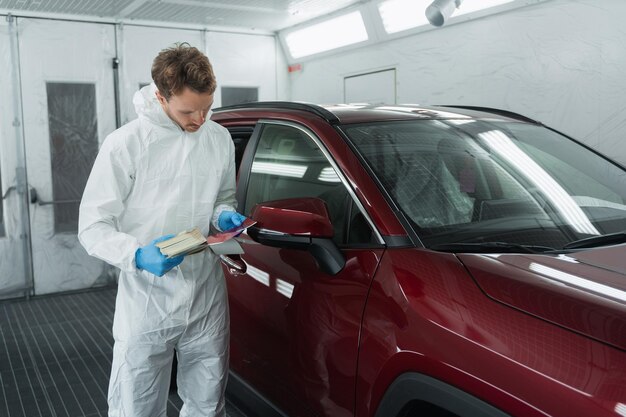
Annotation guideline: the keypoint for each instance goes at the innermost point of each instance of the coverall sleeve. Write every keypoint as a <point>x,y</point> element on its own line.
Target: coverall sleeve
<point>226,196</point>
<point>109,184</point>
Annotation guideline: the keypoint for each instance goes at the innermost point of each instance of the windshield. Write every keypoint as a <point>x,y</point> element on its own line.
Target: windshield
<point>493,181</point>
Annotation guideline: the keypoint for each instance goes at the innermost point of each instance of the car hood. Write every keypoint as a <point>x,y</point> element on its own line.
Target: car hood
<point>584,291</point>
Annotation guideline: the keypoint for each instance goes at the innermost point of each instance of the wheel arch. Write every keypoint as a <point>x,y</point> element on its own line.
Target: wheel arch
<point>412,386</point>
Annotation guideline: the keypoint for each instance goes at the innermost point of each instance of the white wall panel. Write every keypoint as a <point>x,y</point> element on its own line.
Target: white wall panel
<point>561,62</point>
<point>373,87</point>
<point>283,87</point>
<point>241,60</point>
<point>137,48</point>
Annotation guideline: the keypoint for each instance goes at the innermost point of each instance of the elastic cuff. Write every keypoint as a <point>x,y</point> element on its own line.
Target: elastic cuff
<point>216,214</point>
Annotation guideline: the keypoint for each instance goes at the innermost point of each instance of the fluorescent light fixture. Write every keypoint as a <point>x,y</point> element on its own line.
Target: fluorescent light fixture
<point>284,287</point>
<point>551,189</point>
<point>260,276</point>
<point>328,174</point>
<point>460,122</point>
<point>399,15</point>
<point>576,281</point>
<point>284,170</point>
<point>587,201</point>
<point>474,6</point>
<point>565,258</point>
<point>330,34</point>
<point>397,108</point>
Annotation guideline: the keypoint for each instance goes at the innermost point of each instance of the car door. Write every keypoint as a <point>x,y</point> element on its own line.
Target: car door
<point>295,329</point>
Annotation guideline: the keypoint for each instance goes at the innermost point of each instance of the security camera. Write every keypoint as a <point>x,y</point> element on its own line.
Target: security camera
<point>440,10</point>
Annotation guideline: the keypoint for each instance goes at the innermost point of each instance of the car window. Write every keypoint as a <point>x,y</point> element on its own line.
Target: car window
<point>489,180</point>
<point>240,136</point>
<point>289,164</point>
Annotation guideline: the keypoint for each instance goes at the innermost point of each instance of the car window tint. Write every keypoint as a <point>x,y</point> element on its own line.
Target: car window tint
<point>289,164</point>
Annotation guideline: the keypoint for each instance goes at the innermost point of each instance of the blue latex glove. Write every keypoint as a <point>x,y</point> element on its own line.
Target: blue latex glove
<point>229,220</point>
<point>152,260</point>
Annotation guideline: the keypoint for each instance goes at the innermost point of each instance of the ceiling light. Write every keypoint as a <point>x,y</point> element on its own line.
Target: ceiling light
<point>501,144</point>
<point>399,15</point>
<point>328,174</point>
<point>284,287</point>
<point>330,34</point>
<point>283,170</point>
<point>579,282</point>
<point>259,275</point>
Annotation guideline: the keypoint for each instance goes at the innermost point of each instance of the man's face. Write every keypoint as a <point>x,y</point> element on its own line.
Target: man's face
<point>188,109</point>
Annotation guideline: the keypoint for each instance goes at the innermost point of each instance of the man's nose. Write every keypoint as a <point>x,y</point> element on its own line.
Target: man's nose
<point>199,118</point>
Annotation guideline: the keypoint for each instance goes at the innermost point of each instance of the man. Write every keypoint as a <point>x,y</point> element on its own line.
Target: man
<point>167,171</point>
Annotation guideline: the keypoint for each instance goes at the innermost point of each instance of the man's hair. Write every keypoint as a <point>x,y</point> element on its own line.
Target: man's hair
<point>182,66</point>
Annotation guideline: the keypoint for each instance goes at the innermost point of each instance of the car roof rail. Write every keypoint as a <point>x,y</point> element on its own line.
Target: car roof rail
<point>291,105</point>
<point>501,112</point>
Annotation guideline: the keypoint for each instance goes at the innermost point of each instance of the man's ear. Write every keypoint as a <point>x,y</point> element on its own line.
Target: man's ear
<point>159,97</point>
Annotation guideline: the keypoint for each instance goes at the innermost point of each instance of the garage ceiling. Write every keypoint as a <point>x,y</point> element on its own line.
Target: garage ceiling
<point>265,15</point>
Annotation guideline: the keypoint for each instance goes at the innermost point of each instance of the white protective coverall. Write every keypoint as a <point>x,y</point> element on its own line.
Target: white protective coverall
<point>150,179</point>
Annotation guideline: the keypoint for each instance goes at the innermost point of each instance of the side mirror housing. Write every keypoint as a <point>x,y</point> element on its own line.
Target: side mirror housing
<point>298,223</point>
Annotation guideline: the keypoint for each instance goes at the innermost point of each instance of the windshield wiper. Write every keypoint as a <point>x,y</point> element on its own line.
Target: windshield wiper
<point>490,247</point>
<point>595,241</point>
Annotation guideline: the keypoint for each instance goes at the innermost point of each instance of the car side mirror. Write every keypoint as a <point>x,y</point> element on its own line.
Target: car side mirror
<point>298,223</point>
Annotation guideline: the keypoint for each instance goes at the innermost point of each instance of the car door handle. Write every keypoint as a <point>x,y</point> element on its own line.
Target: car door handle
<point>234,263</point>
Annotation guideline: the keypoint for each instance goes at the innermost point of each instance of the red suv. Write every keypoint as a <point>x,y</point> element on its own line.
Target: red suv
<point>424,261</point>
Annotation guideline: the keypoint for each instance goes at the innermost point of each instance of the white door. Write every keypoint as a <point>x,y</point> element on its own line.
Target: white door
<point>15,261</point>
<point>68,109</point>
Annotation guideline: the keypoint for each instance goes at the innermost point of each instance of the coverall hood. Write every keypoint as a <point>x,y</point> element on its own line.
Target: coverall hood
<point>147,106</point>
